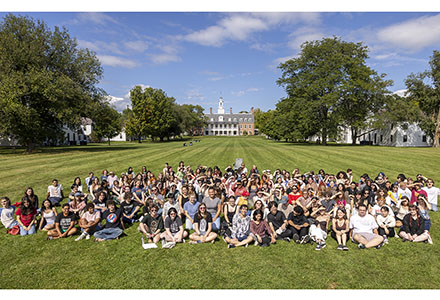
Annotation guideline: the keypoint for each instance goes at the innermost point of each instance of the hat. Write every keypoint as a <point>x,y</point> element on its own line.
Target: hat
<point>284,199</point>
<point>77,194</point>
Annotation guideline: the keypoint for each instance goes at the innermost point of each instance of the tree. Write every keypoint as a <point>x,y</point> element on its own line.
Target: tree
<point>424,89</point>
<point>107,122</point>
<point>192,118</point>
<point>46,81</point>
<point>328,84</point>
<point>154,114</point>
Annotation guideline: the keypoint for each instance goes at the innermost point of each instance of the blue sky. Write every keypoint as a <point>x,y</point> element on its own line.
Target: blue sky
<point>198,57</point>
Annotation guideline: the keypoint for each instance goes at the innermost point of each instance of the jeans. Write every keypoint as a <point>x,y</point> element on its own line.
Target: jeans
<point>216,223</point>
<point>108,233</point>
<point>302,232</point>
<point>27,232</point>
<point>55,200</point>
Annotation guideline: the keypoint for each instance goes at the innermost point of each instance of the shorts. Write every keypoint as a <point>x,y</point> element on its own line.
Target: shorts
<point>366,235</point>
<point>242,238</point>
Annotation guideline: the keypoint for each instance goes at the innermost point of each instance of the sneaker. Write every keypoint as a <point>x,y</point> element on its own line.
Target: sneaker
<point>49,238</point>
<point>172,245</point>
<point>247,245</point>
<point>256,243</point>
<point>361,246</point>
<point>318,247</point>
<point>340,247</point>
<point>163,242</point>
<point>264,245</point>
<point>87,236</point>
<point>379,246</point>
<point>345,248</point>
<point>323,245</point>
<point>305,239</point>
<point>80,237</point>
<point>385,241</point>
<point>296,238</point>
<point>287,239</point>
<point>429,238</point>
<point>168,245</point>
<point>231,246</point>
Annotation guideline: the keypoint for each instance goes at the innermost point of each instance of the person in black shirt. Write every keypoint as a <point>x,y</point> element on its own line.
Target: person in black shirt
<point>202,227</point>
<point>413,226</point>
<point>278,223</point>
<point>113,226</point>
<point>64,224</point>
<point>152,225</point>
<point>129,208</point>
<point>299,225</point>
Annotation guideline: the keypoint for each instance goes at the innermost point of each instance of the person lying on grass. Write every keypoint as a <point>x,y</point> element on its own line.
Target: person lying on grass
<point>113,224</point>
<point>240,230</point>
<point>202,227</point>
<point>174,232</point>
<point>64,224</point>
<point>89,222</point>
<point>365,229</point>
<point>152,225</point>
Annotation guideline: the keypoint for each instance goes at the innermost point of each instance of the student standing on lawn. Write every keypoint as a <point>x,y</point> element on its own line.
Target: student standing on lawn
<point>365,229</point>
<point>113,224</point>
<point>64,224</point>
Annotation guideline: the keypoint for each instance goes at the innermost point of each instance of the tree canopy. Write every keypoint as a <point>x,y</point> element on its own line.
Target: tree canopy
<point>424,91</point>
<point>328,86</point>
<point>46,81</point>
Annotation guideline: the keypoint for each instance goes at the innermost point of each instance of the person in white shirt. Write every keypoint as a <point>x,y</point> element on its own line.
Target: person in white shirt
<point>403,190</point>
<point>365,229</point>
<point>386,223</point>
<point>433,193</point>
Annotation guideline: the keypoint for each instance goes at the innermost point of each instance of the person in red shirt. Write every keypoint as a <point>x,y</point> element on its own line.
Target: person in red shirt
<point>416,191</point>
<point>240,190</point>
<point>26,217</point>
<point>294,195</point>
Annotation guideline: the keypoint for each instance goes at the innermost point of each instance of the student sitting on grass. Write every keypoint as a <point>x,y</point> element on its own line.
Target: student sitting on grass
<point>240,230</point>
<point>89,222</point>
<point>64,224</point>
<point>7,213</point>
<point>413,228</point>
<point>174,232</point>
<point>340,229</point>
<point>318,231</point>
<point>26,214</point>
<point>261,231</point>
<point>386,222</point>
<point>190,209</point>
<point>202,227</point>
<point>113,224</point>
<point>129,209</point>
<point>152,225</point>
<point>48,215</point>
<point>77,205</point>
<point>278,223</point>
<point>365,229</point>
<point>299,225</point>
<point>55,193</point>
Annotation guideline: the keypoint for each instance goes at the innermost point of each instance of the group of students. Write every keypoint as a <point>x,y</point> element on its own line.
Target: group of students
<point>243,207</point>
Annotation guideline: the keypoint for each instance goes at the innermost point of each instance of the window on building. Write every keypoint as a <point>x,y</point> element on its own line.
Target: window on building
<point>241,119</point>
<point>241,126</point>
<point>391,138</point>
<point>212,119</point>
<point>424,138</point>
<point>229,119</point>
<point>206,132</point>
<point>392,126</point>
<point>245,126</point>
<point>220,118</point>
<point>381,138</point>
<point>375,138</point>
<point>405,138</point>
<point>235,119</point>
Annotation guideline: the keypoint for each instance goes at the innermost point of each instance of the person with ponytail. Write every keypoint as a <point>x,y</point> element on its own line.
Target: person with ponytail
<point>413,226</point>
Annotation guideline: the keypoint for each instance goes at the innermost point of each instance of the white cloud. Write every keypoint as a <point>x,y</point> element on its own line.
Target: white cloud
<point>100,46</point>
<point>241,26</point>
<point>414,34</point>
<point>401,93</point>
<point>115,61</point>
<point>194,95</point>
<point>302,35</point>
<point>164,58</point>
<point>137,46</point>
<point>281,60</point>
<point>96,17</point>
<point>119,103</point>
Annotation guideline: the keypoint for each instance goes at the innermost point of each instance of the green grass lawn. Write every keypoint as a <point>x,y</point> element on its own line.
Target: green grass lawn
<point>33,263</point>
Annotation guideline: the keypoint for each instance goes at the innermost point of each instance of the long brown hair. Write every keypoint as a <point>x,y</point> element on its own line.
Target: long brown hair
<point>200,214</point>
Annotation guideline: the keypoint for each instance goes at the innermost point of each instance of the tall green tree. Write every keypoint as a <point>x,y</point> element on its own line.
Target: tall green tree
<point>424,89</point>
<point>192,119</point>
<point>107,122</point>
<point>328,86</point>
<point>154,114</point>
<point>46,81</point>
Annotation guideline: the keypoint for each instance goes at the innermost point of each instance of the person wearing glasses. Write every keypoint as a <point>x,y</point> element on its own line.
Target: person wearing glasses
<point>152,225</point>
<point>365,231</point>
<point>202,227</point>
<point>433,193</point>
<point>174,232</point>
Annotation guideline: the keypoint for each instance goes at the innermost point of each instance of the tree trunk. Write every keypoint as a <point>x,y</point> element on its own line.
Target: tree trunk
<point>324,136</point>
<point>436,143</point>
<point>139,139</point>
<point>108,141</point>
<point>353,135</point>
<point>29,147</point>
<point>161,138</point>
